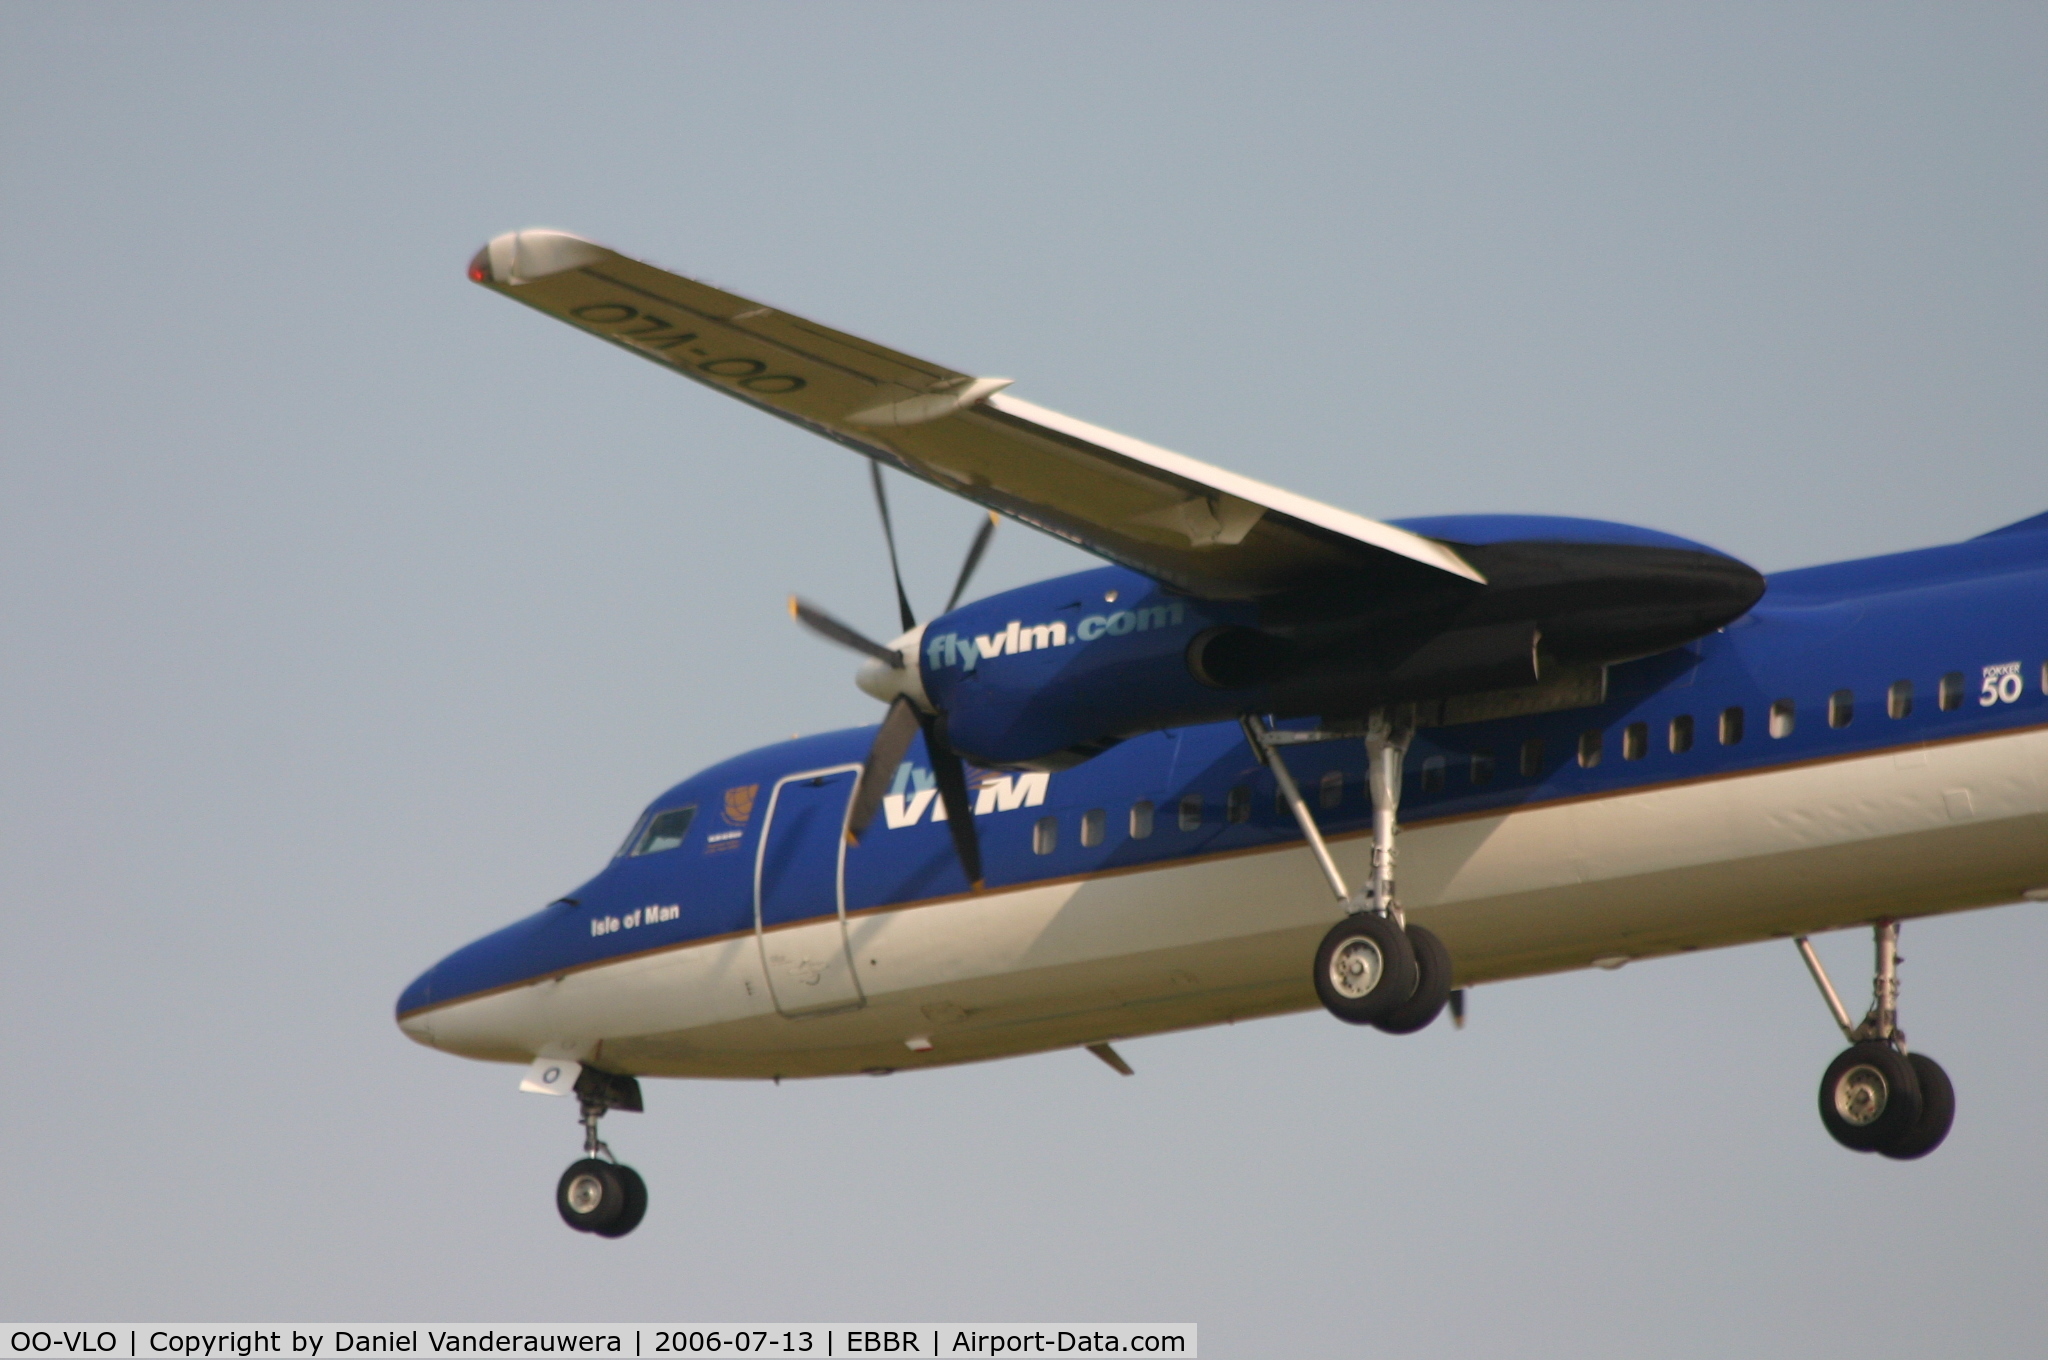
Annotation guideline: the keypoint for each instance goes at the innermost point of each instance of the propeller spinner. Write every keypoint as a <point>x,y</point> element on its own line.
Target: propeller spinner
<point>893,675</point>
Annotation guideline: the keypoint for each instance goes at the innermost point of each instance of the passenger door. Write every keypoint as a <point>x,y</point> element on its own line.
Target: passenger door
<point>800,893</point>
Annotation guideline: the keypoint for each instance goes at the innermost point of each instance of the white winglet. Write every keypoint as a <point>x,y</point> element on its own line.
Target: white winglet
<point>520,256</point>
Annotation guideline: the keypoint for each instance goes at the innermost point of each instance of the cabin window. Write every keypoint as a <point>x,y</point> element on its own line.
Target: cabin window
<point>1951,696</point>
<point>1141,819</point>
<point>1731,726</point>
<point>1333,789</point>
<point>1237,804</point>
<point>1094,826</point>
<point>1482,767</point>
<point>665,831</point>
<point>1045,835</point>
<point>2044,677</point>
<point>1841,708</point>
<point>1681,734</point>
<point>1635,741</point>
<point>1191,812</point>
<point>1898,700</point>
<point>1433,774</point>
<point>1532,757</point>
<point>1589,748</point>
<point>1781,718</point>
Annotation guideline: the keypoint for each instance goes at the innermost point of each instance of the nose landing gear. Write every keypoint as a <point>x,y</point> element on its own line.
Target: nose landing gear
<point>1876,1096</point>
<point>598,1194</point>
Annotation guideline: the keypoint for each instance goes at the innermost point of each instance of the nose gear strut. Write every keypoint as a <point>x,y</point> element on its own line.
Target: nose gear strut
<point>599,1194</point>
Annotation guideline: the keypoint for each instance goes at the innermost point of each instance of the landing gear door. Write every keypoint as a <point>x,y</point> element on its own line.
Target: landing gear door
<point>800,893</point>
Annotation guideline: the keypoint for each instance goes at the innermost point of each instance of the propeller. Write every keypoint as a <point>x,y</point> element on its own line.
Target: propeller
<point>905,717</point>
<point>974,552</point>
<point>903,609</point>
<point>825,626</point>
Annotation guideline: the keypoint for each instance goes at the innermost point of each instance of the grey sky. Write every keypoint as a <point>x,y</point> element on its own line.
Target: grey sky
<point>351,611</point>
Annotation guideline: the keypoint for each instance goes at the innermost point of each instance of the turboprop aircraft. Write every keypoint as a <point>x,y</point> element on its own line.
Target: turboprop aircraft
<point>1170,791</point>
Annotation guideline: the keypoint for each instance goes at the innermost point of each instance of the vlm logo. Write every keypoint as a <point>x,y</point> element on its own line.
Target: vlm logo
<point>915,793</point>
<point>951,649</point>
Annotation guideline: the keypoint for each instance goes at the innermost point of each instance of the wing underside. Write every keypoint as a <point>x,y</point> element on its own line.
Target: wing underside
<point>1199,528</point>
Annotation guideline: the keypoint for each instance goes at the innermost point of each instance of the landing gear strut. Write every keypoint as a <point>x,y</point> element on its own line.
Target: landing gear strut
<point>598,1194</point>
<point>1877,1096</point>
<point>1372,968</point>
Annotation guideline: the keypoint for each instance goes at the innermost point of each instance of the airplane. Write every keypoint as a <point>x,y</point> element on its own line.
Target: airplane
<point>1173,790</point>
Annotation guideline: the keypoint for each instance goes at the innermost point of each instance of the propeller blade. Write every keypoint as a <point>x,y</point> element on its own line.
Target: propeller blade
<point>889,536</point>
<point>951,775</point>
<point>974,552</point>
<point>824,625</point>
<point>884,756</point>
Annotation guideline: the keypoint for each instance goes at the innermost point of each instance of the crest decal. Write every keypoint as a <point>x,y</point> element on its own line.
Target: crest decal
<point>739,804</point>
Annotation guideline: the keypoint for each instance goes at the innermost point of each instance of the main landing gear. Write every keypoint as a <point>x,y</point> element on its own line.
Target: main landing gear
<point>1372,968</point>
<point>1877,1096</point>
<point>598,1194</point>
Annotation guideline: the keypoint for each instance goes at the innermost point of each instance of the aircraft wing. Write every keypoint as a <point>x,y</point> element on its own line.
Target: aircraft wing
<point>1210,532</point>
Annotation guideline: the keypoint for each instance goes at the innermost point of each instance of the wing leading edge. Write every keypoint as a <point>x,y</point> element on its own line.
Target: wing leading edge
<point>1200,528</point>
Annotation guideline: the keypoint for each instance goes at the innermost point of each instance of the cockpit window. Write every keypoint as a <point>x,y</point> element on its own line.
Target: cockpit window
<point>665,831</point>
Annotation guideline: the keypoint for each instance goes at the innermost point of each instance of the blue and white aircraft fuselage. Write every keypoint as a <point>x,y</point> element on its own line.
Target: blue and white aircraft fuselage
<point>1136,799</point>
<point>1870,742</point>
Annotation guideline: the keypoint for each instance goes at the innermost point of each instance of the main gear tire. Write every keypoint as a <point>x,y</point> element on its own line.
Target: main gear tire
<point>1364,968</point>
<point>1870,1097</point>
<point>1432,986</point>
<point>1937,1112</point>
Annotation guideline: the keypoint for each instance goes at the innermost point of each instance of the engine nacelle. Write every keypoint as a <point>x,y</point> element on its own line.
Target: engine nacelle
<point>1050,674</point>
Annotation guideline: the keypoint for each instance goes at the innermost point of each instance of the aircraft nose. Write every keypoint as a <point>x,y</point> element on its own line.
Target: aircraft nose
<point>413,1020</point>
